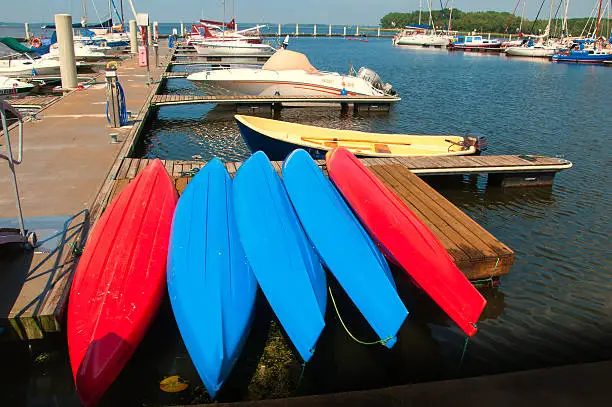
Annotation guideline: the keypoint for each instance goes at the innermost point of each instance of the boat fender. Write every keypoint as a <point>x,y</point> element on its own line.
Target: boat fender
<point>36,42</point>
<point>277,93</point>
<point>343,92</point>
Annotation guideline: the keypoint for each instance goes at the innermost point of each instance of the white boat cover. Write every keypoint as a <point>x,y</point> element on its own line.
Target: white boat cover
<point>285,60</point>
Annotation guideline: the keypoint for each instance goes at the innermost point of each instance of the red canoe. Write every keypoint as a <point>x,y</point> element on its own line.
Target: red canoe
<point>405,240</point>
<point>120,281</point>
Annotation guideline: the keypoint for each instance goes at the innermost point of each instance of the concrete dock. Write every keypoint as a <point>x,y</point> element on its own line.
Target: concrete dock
<point>67,155</point>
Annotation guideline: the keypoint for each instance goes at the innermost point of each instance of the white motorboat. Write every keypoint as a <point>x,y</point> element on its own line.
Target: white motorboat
<point>82,52</point>
<point>11,86</point>
<point>289,73</point>
<point>25,65</point>
<point>232,48</point>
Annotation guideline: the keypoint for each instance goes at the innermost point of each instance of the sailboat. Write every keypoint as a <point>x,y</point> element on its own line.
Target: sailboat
<point>424,35</point>
<point>590,50</point>
<point>538,48</point>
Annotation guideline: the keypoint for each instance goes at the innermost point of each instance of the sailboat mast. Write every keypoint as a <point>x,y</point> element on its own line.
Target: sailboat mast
<point>598,19</point>
<point>523,17</point>
<point>564,27</point>
<point>420,10</point>
<point>548,27</point>
<point>223,23</point>
<point>84,19</point>
<point>110,15</point>
<point>450,18</point>
<point>122,16</point>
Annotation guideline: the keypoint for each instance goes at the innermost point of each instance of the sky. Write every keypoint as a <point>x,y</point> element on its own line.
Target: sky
<point>348,12</point>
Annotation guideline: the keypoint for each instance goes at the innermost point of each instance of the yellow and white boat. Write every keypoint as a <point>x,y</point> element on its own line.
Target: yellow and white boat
<point>278,139</point>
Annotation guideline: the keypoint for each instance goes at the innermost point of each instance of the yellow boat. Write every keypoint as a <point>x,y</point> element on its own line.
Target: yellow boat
<point>278,139</point>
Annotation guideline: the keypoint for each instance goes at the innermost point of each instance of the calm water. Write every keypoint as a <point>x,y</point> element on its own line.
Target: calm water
<point>555,306</point>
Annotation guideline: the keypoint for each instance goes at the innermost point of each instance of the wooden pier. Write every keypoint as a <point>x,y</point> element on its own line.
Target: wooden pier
<point>367,102</point>
<point>477,253</point>
<point>502,170</point>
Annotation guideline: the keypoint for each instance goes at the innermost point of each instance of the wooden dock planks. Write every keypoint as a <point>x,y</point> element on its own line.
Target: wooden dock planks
<point>477,253</point>
<point>165,100</point>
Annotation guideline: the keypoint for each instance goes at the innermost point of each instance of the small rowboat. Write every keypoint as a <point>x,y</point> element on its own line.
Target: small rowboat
<point>120,281</point>
<point>278,139</point>
<point>406,240</point>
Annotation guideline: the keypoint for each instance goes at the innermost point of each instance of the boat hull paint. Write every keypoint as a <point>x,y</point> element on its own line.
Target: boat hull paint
<point>536,52</point>
<point>276,150</point>
<point>120,281</point>
<point>283,260</point>
<point>262,82</point>
<point>336,232</point>
<point>582,56</point>
<point>405,240</point>
<point>211,286</point>
<point>233,48</point>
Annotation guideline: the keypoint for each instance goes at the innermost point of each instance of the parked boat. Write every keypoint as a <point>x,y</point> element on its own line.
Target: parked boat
<point>289,73</point>
<point>82,52</point>
<point>11,86</point>
<point>334,231</point>
<point>23,65</point>
<point>473,43</point>
<point>278,139</point>
<point>591,50</point>
<point>536,50</point>
<point>405,240</point>
<point>212,288</point>
<point>283,260</point>
<point>120,281</point>
<point>421,35</point>
<point>215,31</point>
<point>219,48</point>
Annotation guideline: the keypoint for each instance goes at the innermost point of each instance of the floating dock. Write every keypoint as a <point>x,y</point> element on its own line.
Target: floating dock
<point>476,252</point>
<point>358,102</point>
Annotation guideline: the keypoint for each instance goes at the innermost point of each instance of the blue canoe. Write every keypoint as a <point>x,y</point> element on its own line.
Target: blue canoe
<point>283,260</point>
<point>212,288</point>
<point>344,246</point>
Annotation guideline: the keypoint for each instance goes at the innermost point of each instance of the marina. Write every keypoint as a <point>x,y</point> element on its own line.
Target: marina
<point>501,216</point>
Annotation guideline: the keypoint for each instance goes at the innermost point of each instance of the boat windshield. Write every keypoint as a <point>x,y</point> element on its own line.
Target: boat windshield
<point>285,60</point>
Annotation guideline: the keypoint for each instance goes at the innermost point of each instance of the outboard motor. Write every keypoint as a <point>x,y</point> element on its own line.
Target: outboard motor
<point>373,79</point>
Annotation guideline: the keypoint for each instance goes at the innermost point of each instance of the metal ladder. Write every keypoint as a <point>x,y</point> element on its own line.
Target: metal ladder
<point>10,235</point>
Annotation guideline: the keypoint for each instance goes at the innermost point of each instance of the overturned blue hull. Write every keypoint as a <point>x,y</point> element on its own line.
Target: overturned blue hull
<point>283,260</point>
<point>344,246</point>
<point>212,288</point>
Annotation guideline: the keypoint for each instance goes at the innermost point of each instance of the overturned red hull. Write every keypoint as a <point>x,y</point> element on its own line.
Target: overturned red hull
<point>405,240</point>
<point>120,281</point>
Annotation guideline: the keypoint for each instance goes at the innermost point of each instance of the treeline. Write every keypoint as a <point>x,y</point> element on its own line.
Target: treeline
<point>490,22</point>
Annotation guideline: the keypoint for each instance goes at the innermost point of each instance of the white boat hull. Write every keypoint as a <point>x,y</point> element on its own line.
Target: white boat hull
<point>24,67</point>
<point>10,87</point>
<point>260,82</point>
<point>423,40</point>
<point>233,48</point>
<point>540,52</point>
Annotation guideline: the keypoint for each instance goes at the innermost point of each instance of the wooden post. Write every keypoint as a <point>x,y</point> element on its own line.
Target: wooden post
<point>297,30</point>
<point>357,32</point>
<point>314,31</point>
<point>63,24</point>
<point>27,30</point>
<point>344,34</point>
<point>329,32</point>
<point>182,29</point>
<point>150,35</point>
<point>279,30</point>
<point>155,31</point>
<point>378,32</point>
